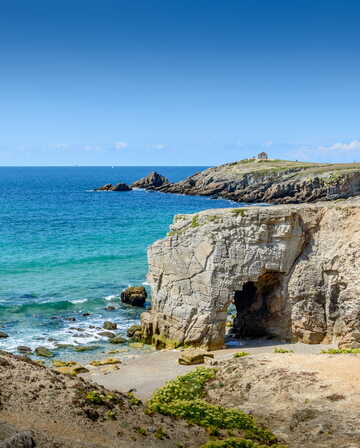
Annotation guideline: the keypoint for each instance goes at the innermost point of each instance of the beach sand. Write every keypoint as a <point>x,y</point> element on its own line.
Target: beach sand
<point>148,372</point>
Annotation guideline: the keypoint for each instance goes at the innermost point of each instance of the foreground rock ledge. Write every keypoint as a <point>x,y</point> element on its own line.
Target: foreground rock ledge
<point>292,272</point>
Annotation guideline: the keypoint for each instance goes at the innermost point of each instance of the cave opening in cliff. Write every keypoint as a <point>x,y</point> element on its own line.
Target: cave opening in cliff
<point>257,307</point>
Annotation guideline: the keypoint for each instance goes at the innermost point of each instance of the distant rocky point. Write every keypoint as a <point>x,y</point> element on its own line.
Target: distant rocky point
<point>273,181</point>
<point>153,180</point>
<point>117,187</point>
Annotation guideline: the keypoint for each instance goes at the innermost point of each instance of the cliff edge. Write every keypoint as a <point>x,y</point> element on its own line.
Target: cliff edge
<point>291,271</point>
<point>273,181</point>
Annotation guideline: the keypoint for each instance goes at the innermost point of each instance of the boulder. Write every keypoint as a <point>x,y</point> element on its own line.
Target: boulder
<point>43,351</point>
<point>3,335</point>
<point>109,325</point>
<point>72,370</point>
<point>107,334</point>
<point>105,362</point>
<point>23,349</point>
<point>194,356</point>
<point>134,295</point>
<point>131,331</point>
<point>152,180</point>
<point>117,340</point>
<point>10,437</point>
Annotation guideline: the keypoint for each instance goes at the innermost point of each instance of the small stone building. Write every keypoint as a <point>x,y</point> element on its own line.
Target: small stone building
<point>263,156</point>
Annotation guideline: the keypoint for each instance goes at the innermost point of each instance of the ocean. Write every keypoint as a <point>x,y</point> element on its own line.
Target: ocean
<point>67,250</point>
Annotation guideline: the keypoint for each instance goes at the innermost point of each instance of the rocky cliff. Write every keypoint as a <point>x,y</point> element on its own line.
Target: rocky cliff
<point>291,271</point>
<point>273,181</point>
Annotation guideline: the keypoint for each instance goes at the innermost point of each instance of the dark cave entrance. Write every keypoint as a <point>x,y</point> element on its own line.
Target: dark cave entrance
<point>260,308</point>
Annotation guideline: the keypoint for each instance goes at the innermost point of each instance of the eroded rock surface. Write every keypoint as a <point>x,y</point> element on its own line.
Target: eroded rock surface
<point>292,272</point>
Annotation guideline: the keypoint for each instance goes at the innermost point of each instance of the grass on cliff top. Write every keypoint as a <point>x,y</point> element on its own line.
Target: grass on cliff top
<point>271,166</point>
<point>184,398</point>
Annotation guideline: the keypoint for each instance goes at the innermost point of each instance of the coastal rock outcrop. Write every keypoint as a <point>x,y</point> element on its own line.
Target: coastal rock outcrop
<point>291,271</point>
<point>134,295</point>
<point>273,181</point>
<point>118,187</point>
<point>152,180</point>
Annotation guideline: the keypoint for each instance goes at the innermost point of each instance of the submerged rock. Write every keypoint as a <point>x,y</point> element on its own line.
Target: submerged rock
<point>150,181</point>
<point>134,295</point>
<point>107,334</point>
<point>3,335</point>
<point>43,351</point>
<point>117,340</point>
<point>109,325</point>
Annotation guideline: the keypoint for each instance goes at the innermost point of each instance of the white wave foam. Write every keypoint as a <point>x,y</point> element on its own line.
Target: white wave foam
<point>79,301</point>
<point>146,283</point>
<point>112,297</point>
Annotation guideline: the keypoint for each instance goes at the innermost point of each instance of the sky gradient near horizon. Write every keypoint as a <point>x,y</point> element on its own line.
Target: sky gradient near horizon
<point>179,82</point>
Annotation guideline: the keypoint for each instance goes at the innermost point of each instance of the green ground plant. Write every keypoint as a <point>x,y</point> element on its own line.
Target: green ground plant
<point>282,350</point>
<point>341,351</point>
<point>184,398</point>
<point>240,354</point>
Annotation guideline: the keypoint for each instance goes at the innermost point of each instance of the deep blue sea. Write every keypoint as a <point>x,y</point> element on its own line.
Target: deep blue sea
<point>67,250</point>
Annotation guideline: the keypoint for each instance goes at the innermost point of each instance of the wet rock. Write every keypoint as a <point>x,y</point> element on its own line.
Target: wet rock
<point>109,325</point>
<point>150,181</point>
<point>110,308</point>
<point>70,319</point>
<point>107,334</point>
<point>105,362</point>
<point>192,357</point>
<point>3,335</point>
<point>117,340</point>
<point>86,314</point>
<point>86,348</point>
<point>23,349</point>
<point>44,352</point>
<point>134,295</point>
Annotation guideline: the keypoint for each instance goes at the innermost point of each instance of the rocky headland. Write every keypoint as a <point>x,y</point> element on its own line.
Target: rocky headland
<point>292,272</point>
<point>272,181</point>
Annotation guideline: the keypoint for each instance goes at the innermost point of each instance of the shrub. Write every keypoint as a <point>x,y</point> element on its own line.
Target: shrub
<point>282,350</point>
<point>340,351</point>
<point>240,354</point>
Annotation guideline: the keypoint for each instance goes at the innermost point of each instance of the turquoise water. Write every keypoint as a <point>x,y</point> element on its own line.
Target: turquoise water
<point>67,250</point>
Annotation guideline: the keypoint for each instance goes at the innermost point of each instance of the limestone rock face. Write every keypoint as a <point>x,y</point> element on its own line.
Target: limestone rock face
<point>291,271</point>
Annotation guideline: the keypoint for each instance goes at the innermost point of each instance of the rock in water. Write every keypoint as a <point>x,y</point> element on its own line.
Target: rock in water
<point>152,180</point>
<point>3,335</point>
<point>43,351</point>
<point>192,357</point>
<point>118,187</point>
<point>134,295</point>
<point>109,325</point>
<point>121,187</point>
<point>106,187</point>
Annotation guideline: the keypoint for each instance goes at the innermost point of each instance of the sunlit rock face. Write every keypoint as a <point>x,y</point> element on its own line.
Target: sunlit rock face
<point>291,271</point>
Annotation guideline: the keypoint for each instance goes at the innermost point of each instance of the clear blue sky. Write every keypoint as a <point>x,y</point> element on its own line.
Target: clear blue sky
<point>178,82</point>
